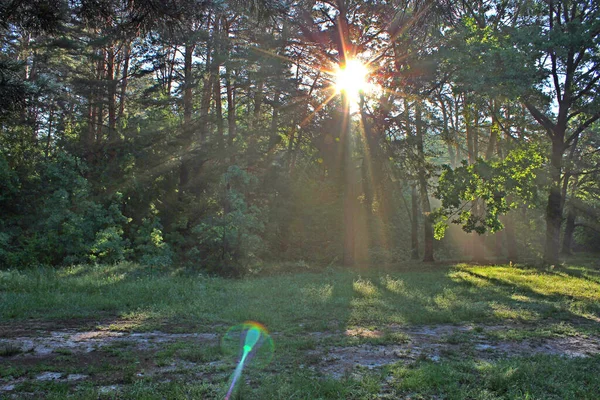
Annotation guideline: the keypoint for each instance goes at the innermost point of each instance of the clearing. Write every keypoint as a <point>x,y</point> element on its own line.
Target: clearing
<point>421,331</point>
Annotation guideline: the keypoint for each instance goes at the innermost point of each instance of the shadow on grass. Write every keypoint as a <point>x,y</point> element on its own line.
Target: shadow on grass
<point>305,302</point>
<point>549,295</point>
<point>462,295</point>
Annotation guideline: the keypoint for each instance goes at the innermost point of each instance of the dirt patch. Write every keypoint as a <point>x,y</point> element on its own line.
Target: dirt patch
<point>88,341</point>
<point>34,327</point>
<point>438,342</point>
<point>111,359</point>
<point>107,358</point>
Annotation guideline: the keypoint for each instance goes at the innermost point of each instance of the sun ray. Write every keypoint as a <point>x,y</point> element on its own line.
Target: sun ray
<point>319,108</point>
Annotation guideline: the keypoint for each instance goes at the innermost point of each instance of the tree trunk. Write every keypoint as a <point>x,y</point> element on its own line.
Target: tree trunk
<point>216,72</point>
<point>425,205</point>
<point>469,131</point>
<point>509,233</point>
<point>471,118</point>
<point>348,182</point>
<point>414,224</point>
<point>186,137</point>
<point>570,223</point>
<point>448,137</point>
<point>207,88</point>
<point>554,206</point>
<point>99,116</point>
<point>124,79</point>
<point>498,244</point>
<point>112,95</point>
<point>478,242</point>
<point>231,120</point>
<point>494,129</point>
<point>274,134</point>
<point>569,230</point>
<point>218,109</point>
<point>89,138</point>
<point>49,137</point>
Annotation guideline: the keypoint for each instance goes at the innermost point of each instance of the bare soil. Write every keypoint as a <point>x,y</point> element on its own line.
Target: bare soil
<point>43,351</point>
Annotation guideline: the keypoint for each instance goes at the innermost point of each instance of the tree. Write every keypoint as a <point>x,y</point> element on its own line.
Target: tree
<point>567,46</point>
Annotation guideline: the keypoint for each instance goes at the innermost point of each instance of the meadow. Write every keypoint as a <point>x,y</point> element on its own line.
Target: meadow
<point>456,331</point>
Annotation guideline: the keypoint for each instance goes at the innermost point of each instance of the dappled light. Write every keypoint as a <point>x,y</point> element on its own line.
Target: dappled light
<point>365,288</point>
<point>394,285</point>
<point>318,293</point>
<point>368,316</point>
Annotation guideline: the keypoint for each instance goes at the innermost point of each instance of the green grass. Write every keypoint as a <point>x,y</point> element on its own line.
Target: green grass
<point>335,299</point>
<point>529,302</point>
<point>8,350</point>
<point>539,377</point>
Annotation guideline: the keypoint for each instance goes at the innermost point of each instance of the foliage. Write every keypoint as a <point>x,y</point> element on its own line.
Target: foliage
<point>150,247</point>
<point>210,134</point>
<point>495,184</point>
<point>63,223</point>
<point>230,241</point>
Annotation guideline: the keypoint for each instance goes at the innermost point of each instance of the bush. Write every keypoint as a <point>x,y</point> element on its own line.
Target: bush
<point>150,247</point>
<point>56,219</point>
<point>230,240</point>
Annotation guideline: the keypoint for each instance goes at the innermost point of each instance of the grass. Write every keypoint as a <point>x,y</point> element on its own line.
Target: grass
<point>530,302</point>
<point>8,350</point>
<point>302,302</point>
<point>539,377</point>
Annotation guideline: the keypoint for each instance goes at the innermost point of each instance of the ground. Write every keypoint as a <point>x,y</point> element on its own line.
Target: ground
<point>439,331</point>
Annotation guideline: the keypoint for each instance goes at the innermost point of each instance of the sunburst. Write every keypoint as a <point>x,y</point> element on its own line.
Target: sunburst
<point>352,78</point>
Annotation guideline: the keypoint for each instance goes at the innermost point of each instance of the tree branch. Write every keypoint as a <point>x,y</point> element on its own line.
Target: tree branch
<point>583,127</point>
<point>541,118</point>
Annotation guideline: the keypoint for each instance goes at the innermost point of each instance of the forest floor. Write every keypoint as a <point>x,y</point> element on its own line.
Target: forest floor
<point>415,332</point>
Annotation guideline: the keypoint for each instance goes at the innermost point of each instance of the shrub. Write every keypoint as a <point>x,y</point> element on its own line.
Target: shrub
<point>150,247</point>
<point>230,240</point>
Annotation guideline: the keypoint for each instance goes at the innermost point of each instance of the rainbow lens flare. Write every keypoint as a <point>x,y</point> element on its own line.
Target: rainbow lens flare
<point>249,342</point>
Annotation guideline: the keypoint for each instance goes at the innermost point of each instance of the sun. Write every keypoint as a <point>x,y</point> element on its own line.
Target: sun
<point>352,78</point>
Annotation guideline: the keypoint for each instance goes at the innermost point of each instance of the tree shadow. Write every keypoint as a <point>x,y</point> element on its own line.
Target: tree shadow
<point>458,296</point>
<point>552,304</point>
<point>577,272</point>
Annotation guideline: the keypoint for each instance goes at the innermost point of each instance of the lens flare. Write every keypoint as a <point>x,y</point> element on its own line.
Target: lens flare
<point>249,341</point>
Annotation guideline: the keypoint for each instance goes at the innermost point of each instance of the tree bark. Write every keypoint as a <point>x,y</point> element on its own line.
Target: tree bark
<point>555,202</point>
<point>478,242</point>
<point>124,79</point>
<point>231,120</point>
<point>569,230</point>
<point>425,205</point>
<point>207,88</point>
<point>218,110</point>
<point>471,118</point>
<point>414,224</point>
<point>49,137</point>
<point>448,137</point>
<point>186,137</point>
<point>112,96</point>
<point>570,223</point>
<point>348,182</point>
<point>229,87</point>
<point>509,233</point>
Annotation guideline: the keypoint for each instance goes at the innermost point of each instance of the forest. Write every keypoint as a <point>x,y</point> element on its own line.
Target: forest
<point>215,134</point>
<point>400,198</point>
